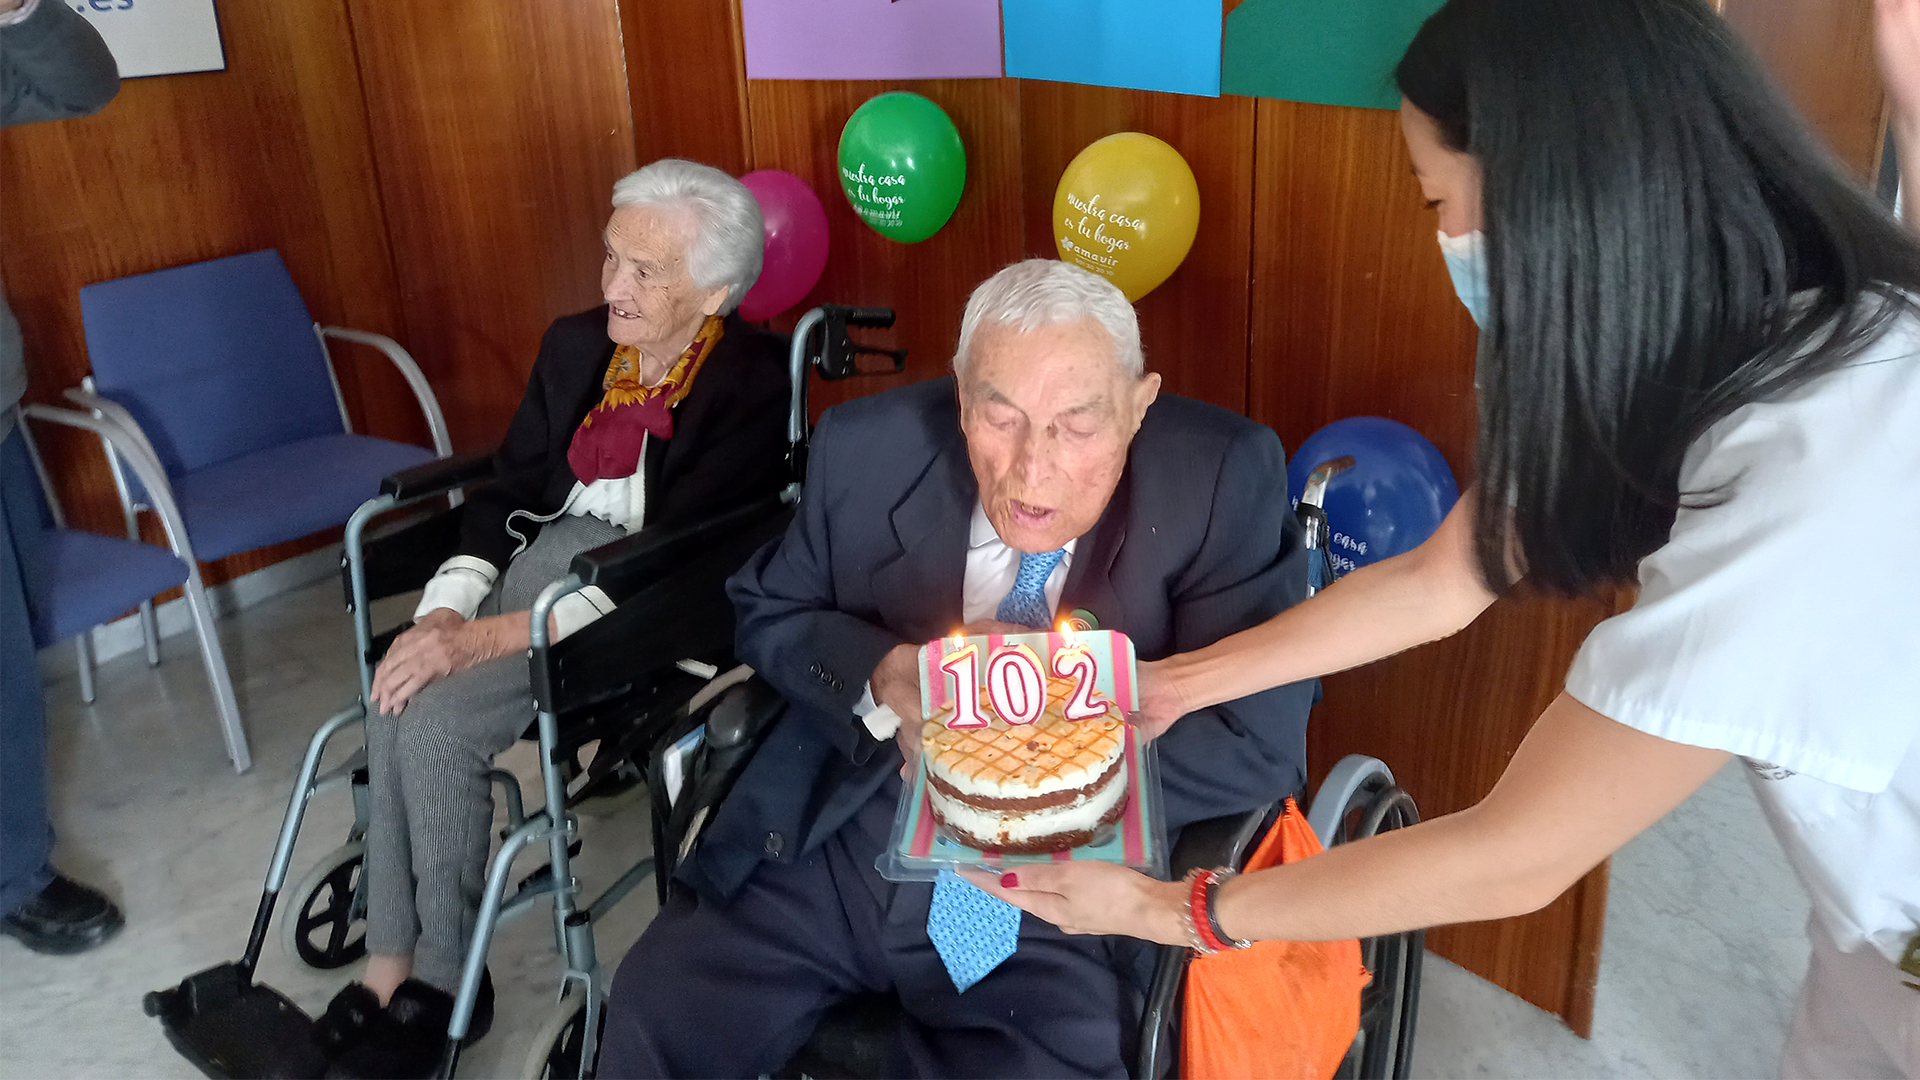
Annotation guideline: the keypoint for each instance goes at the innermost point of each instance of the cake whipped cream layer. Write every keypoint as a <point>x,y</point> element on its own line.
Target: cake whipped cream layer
<point>1045,786</point>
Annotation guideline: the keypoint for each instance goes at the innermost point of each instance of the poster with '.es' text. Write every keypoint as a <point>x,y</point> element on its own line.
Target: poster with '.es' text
<point>871,39</point>
<point>156,37</point>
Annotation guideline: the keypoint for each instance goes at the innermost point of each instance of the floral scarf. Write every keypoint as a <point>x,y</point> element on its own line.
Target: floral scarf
<point>608,443</point>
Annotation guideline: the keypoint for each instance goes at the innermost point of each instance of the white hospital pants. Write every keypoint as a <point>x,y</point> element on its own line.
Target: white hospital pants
<point>1855,1020</point>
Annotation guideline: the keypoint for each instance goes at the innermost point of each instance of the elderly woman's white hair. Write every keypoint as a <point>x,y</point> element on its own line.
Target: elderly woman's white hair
<point>729,233</point>
<point>1042,292</point>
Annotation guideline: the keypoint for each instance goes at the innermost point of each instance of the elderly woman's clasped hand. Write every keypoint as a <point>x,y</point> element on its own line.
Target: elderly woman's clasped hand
<point>440,644</point>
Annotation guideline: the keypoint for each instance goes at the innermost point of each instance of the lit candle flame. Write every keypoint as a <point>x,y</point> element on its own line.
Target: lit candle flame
<point>1066,629</point>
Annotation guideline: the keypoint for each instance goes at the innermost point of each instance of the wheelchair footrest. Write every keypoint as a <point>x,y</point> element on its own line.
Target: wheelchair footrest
<point>229,1027</point>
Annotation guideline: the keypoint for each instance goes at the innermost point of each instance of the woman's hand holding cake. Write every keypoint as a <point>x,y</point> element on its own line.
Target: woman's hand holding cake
<point>1087,896</point>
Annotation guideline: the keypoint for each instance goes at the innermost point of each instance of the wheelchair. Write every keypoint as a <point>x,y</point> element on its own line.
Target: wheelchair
<point>705,750</point>
<point>618,682</point>
<point>710,747</point>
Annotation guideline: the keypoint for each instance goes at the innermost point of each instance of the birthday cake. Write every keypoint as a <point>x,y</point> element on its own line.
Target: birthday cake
<point>1027,788</point>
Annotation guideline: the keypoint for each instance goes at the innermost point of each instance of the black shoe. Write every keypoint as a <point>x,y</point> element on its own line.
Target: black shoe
<point>407,1038</point>
<point>67,917</point>
<point>348,1016</point>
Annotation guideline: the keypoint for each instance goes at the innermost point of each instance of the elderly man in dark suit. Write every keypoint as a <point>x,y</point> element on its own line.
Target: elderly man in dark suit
<point>1047,475</point>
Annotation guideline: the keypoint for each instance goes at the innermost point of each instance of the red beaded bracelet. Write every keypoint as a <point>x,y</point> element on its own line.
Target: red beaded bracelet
<point>1192,924</point>
<point>1197,906</point>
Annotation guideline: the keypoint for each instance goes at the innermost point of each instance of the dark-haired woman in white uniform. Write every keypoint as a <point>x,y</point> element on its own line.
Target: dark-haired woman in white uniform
<point>1699,372</point>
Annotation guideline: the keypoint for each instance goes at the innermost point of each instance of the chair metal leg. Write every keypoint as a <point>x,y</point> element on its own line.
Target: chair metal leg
<point>215,660</point>
<point>83,645</point>
<point>150,632</point>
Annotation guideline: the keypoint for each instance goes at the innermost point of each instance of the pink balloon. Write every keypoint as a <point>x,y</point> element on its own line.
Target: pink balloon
<point>796,251</point>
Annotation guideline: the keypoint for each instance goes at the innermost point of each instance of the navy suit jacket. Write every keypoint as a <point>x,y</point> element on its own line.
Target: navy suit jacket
<point>1197,542</point>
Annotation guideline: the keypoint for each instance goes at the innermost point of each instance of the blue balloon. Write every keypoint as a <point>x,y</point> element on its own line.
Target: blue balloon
<point>1390,501</point>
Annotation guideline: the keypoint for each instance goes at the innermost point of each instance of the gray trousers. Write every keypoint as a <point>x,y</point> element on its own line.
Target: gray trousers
<point>430,805</point>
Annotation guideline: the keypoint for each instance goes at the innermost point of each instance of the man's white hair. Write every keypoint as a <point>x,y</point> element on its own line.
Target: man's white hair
<point>1045,292</point>
<point>729,233</point>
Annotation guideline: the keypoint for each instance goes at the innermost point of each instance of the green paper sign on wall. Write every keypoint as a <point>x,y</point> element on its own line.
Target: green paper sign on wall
<point>902,166</point>
<point>1330,52</point>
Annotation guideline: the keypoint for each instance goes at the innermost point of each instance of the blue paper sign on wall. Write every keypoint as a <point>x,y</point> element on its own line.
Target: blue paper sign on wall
<point>1170,45</point>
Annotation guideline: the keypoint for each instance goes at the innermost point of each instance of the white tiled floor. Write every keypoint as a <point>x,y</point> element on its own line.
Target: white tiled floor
<point>1704,942</point>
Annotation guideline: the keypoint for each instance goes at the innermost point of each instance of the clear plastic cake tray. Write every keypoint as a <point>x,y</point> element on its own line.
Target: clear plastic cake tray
<point>921,846</point>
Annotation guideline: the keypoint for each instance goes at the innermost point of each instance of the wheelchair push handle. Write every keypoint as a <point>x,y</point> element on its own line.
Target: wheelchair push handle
<point>879,318</point>
<point>821,339</point>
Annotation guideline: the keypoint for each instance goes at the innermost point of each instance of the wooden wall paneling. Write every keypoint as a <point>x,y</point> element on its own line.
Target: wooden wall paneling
<point>272,152</point>
<point>1353,310</point>
<point>686,78</point>
<point>1353,313</point>
<point>1194,326</point>
<point>1822,53</point>
<point>498,131</point>
<point>795,125</point>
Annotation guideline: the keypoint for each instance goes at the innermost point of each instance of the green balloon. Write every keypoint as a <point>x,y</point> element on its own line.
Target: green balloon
<point>902,166</point>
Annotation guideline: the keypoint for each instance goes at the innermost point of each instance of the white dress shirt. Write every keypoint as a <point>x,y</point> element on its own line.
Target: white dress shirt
<point>992,568</point>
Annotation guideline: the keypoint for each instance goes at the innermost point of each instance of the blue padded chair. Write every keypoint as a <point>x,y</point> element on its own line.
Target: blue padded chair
<point>79,580</point>
<point>220,376</point>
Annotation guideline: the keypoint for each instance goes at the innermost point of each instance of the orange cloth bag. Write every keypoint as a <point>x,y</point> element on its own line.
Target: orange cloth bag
<point>1282,1009</point>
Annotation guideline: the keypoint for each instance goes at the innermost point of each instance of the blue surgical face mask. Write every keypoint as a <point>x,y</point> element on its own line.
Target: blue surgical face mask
<point>1466,257</point>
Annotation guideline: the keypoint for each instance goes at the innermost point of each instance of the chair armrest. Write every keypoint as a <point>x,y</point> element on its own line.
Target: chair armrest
<point>629,564</point>
<point>133,450</point>
<point>1221,841</point>
<point>736,721</point>
<point>410,371</point>
<point>741,714</point>
<point>439,475</point>
<point>117,414</point>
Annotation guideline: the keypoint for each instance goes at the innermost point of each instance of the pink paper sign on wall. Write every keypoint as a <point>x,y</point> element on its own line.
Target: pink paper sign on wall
<point>872,39</point>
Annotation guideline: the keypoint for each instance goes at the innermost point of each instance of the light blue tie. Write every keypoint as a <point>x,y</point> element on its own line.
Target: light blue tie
<point>1026,602</point>
<point>972,930</point>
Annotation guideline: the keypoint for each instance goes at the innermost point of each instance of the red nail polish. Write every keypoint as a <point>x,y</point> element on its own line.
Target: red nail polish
<point>1009,881</point>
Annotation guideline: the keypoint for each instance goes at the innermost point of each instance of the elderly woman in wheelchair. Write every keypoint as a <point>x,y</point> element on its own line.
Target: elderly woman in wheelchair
<point>659,408</point>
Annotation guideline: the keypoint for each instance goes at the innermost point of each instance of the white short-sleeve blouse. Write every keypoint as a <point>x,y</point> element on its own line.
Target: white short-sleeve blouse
<point>1783,625</point>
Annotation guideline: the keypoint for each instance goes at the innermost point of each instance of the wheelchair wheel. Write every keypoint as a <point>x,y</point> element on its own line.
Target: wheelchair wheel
<point>326,926</point>
<point>555,1052</point>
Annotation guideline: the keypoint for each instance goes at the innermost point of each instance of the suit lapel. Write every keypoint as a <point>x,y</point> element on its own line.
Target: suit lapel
<point>1090,579</point>
<point>918,591</point>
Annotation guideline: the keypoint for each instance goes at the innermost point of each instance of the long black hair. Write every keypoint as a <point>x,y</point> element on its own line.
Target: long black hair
<point>1653,210</point>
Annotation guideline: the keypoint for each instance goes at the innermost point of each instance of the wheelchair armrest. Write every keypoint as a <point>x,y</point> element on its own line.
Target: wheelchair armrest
<point>1221,841</point>
<point>442,474</point>
<point>741,714</point>
<point>631,563</point>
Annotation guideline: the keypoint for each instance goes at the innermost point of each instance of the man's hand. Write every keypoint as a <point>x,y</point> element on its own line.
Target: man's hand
<point>437,646</point>
<point>9,6</point>
<point>1161,702</point>
<point>1087,896</point>
<point>896,684</point>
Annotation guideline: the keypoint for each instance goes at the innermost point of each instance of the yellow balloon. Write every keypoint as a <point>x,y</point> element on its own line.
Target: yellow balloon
<point>1127,209</point>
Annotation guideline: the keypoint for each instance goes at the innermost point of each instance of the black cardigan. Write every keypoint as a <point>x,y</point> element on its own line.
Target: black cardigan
<point>729,440</point>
